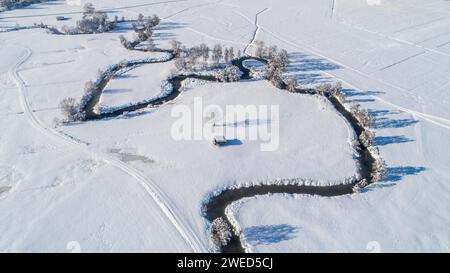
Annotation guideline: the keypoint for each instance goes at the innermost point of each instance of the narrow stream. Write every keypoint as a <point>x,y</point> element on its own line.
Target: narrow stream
<point>216,205</point>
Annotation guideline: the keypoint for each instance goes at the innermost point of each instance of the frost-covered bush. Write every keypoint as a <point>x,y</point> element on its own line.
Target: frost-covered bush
<point>220,232</point>
<point>217,53</point>
<point>378,170</point>
<point>144,27</point>
<point>177,48</point>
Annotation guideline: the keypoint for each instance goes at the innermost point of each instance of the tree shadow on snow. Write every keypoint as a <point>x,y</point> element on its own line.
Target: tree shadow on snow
<point>394,175</point>
<point>271,234</point>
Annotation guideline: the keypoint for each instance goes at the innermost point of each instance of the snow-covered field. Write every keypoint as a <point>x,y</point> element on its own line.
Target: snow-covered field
<point>124,184</point>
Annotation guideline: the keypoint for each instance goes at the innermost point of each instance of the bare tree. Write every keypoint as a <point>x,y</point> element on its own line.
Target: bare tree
<point>272,51</point>
<point>366,138</point>
<point>140,18</point>
<point>378,170</point>
<point>283,57</point>
<point>220,232</point>
<point>176,47</point>
<point>180,63</point>
<point>204,52</point>
<point>226,55</point>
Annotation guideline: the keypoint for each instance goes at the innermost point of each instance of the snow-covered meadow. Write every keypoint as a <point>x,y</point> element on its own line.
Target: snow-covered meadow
<point>124,184</point>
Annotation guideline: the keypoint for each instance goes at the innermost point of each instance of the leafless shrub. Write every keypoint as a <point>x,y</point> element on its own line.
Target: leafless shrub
<point>127,44</point>
<point>362,115</point>
<point>93,21</point>
<point>291,85</point>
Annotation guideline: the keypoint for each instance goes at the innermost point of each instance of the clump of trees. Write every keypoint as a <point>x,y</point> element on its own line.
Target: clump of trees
<point>220,232</point>
<point>366,138</point>
<point>92,22</point>
<point>125,43</point>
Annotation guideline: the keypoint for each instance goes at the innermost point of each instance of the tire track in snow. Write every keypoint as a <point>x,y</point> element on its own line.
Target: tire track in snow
<point>333,7</point>
<point>150,187</point>
<point>403,60</point>
<point>189,8</point>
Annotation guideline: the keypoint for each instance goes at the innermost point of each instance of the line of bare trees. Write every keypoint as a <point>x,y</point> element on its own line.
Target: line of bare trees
<point>202,56</point>
<point>366,138</point>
